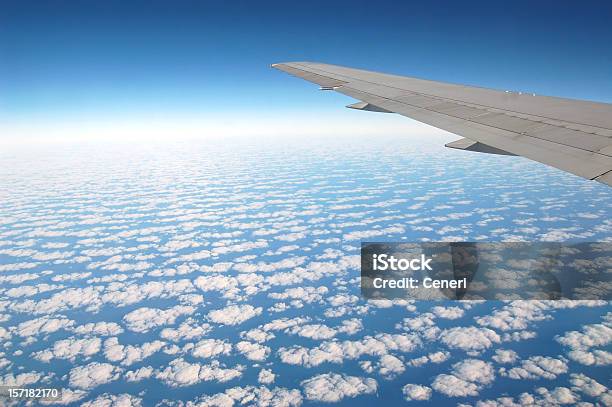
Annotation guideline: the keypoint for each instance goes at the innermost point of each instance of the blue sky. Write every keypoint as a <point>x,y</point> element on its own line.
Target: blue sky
<point>116,62</point>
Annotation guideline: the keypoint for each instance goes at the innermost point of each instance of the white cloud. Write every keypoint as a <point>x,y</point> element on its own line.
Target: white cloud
<point>366,234</point>
<point>114,400</point>
<point>257,335</point>
<point>208,348</point>
<point>137,375</point>
<point>313,331</point>
<point>475,371</point>
<point>505,356</point>
<point>144,319</point>
<point>234,314</point>
<point>537,367</point>
<point>596,357</point>
<point>435,357</point>
<point>466,378</point>
<point>306,294</point>
<point>416,392</point>
<point>253,351</point>
<point>69,349</point>
<point>558,396</point>
<point>587,385</point>
<point>333,387</point>
<point>20,380</point>
<point>591,336</point>
<point>337,351</point>
<point>350,326</point>
<point>452,386</point>
<point>469,338</point>
<point>284,323</point>
<point>94,374</point>
<point>215,282</point>
<point>130,354</point>
<point>448,312</point>
<point>251,395</point>
<point>43,325</point>
<point>390,366</point>
<point>266,376</point>
<point>187,330</point>
<point>99,328</point>
<point>180,373</point>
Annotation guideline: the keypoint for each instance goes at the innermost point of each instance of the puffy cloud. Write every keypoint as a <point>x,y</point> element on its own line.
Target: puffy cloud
<point>475,371</point>
<point>542,397</point>
<point>99,329</point>
<point>333,387</point>
<point>337,351</point>
<point>240,247</point>
<point>284,323</point>
<point>263,267</point>
<point>390,366</point>
<point>448,312</point>
<point>20,380</point>
<point>180,373</point>
<point>94,374</point>
<point>596,357</point>
<point>70,276</point>
<point>435,357</point>
<point>253,351</point>
<point>350,326</point>
<point>69,349</point>
<point>187,330</point>
<point>257,335</point>
<point>306,294</point>
<point>581,343</point>
<point>114,400</point>
<point>313,331</point>
<point>144,319</point>
<point>234,314</point>
<point>469,338</point>
<point>208,348</point>
<point>215,283</point>
<point>420,323</point>
<point>342,299</point>
<point>466,378</point>
<point>505,356</point>
<point>130,354</point>
<point>43,325</point>
<point>452,386</point>
<point>139,374</point>
<point>587,385</point>
<point>251,395</point>
<point>537,367</point>
<point>266,376</point>
<point>591,336</point>
<point>558,396</point>
<point>31,290</point>
<point>367,234</point>
<point>416,392</point>
<point>515,316</point>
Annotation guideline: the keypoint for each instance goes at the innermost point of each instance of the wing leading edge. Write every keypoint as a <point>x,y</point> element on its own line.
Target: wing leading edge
<point>572,135</point>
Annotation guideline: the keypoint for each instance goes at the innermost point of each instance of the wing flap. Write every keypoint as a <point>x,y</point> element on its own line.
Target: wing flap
<point>471,145</point>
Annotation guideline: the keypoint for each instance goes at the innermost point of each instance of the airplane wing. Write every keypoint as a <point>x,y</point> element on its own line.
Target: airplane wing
<point>572,135</point>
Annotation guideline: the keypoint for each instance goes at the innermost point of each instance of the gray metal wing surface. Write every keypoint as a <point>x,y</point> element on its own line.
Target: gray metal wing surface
<point>572,135</point>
